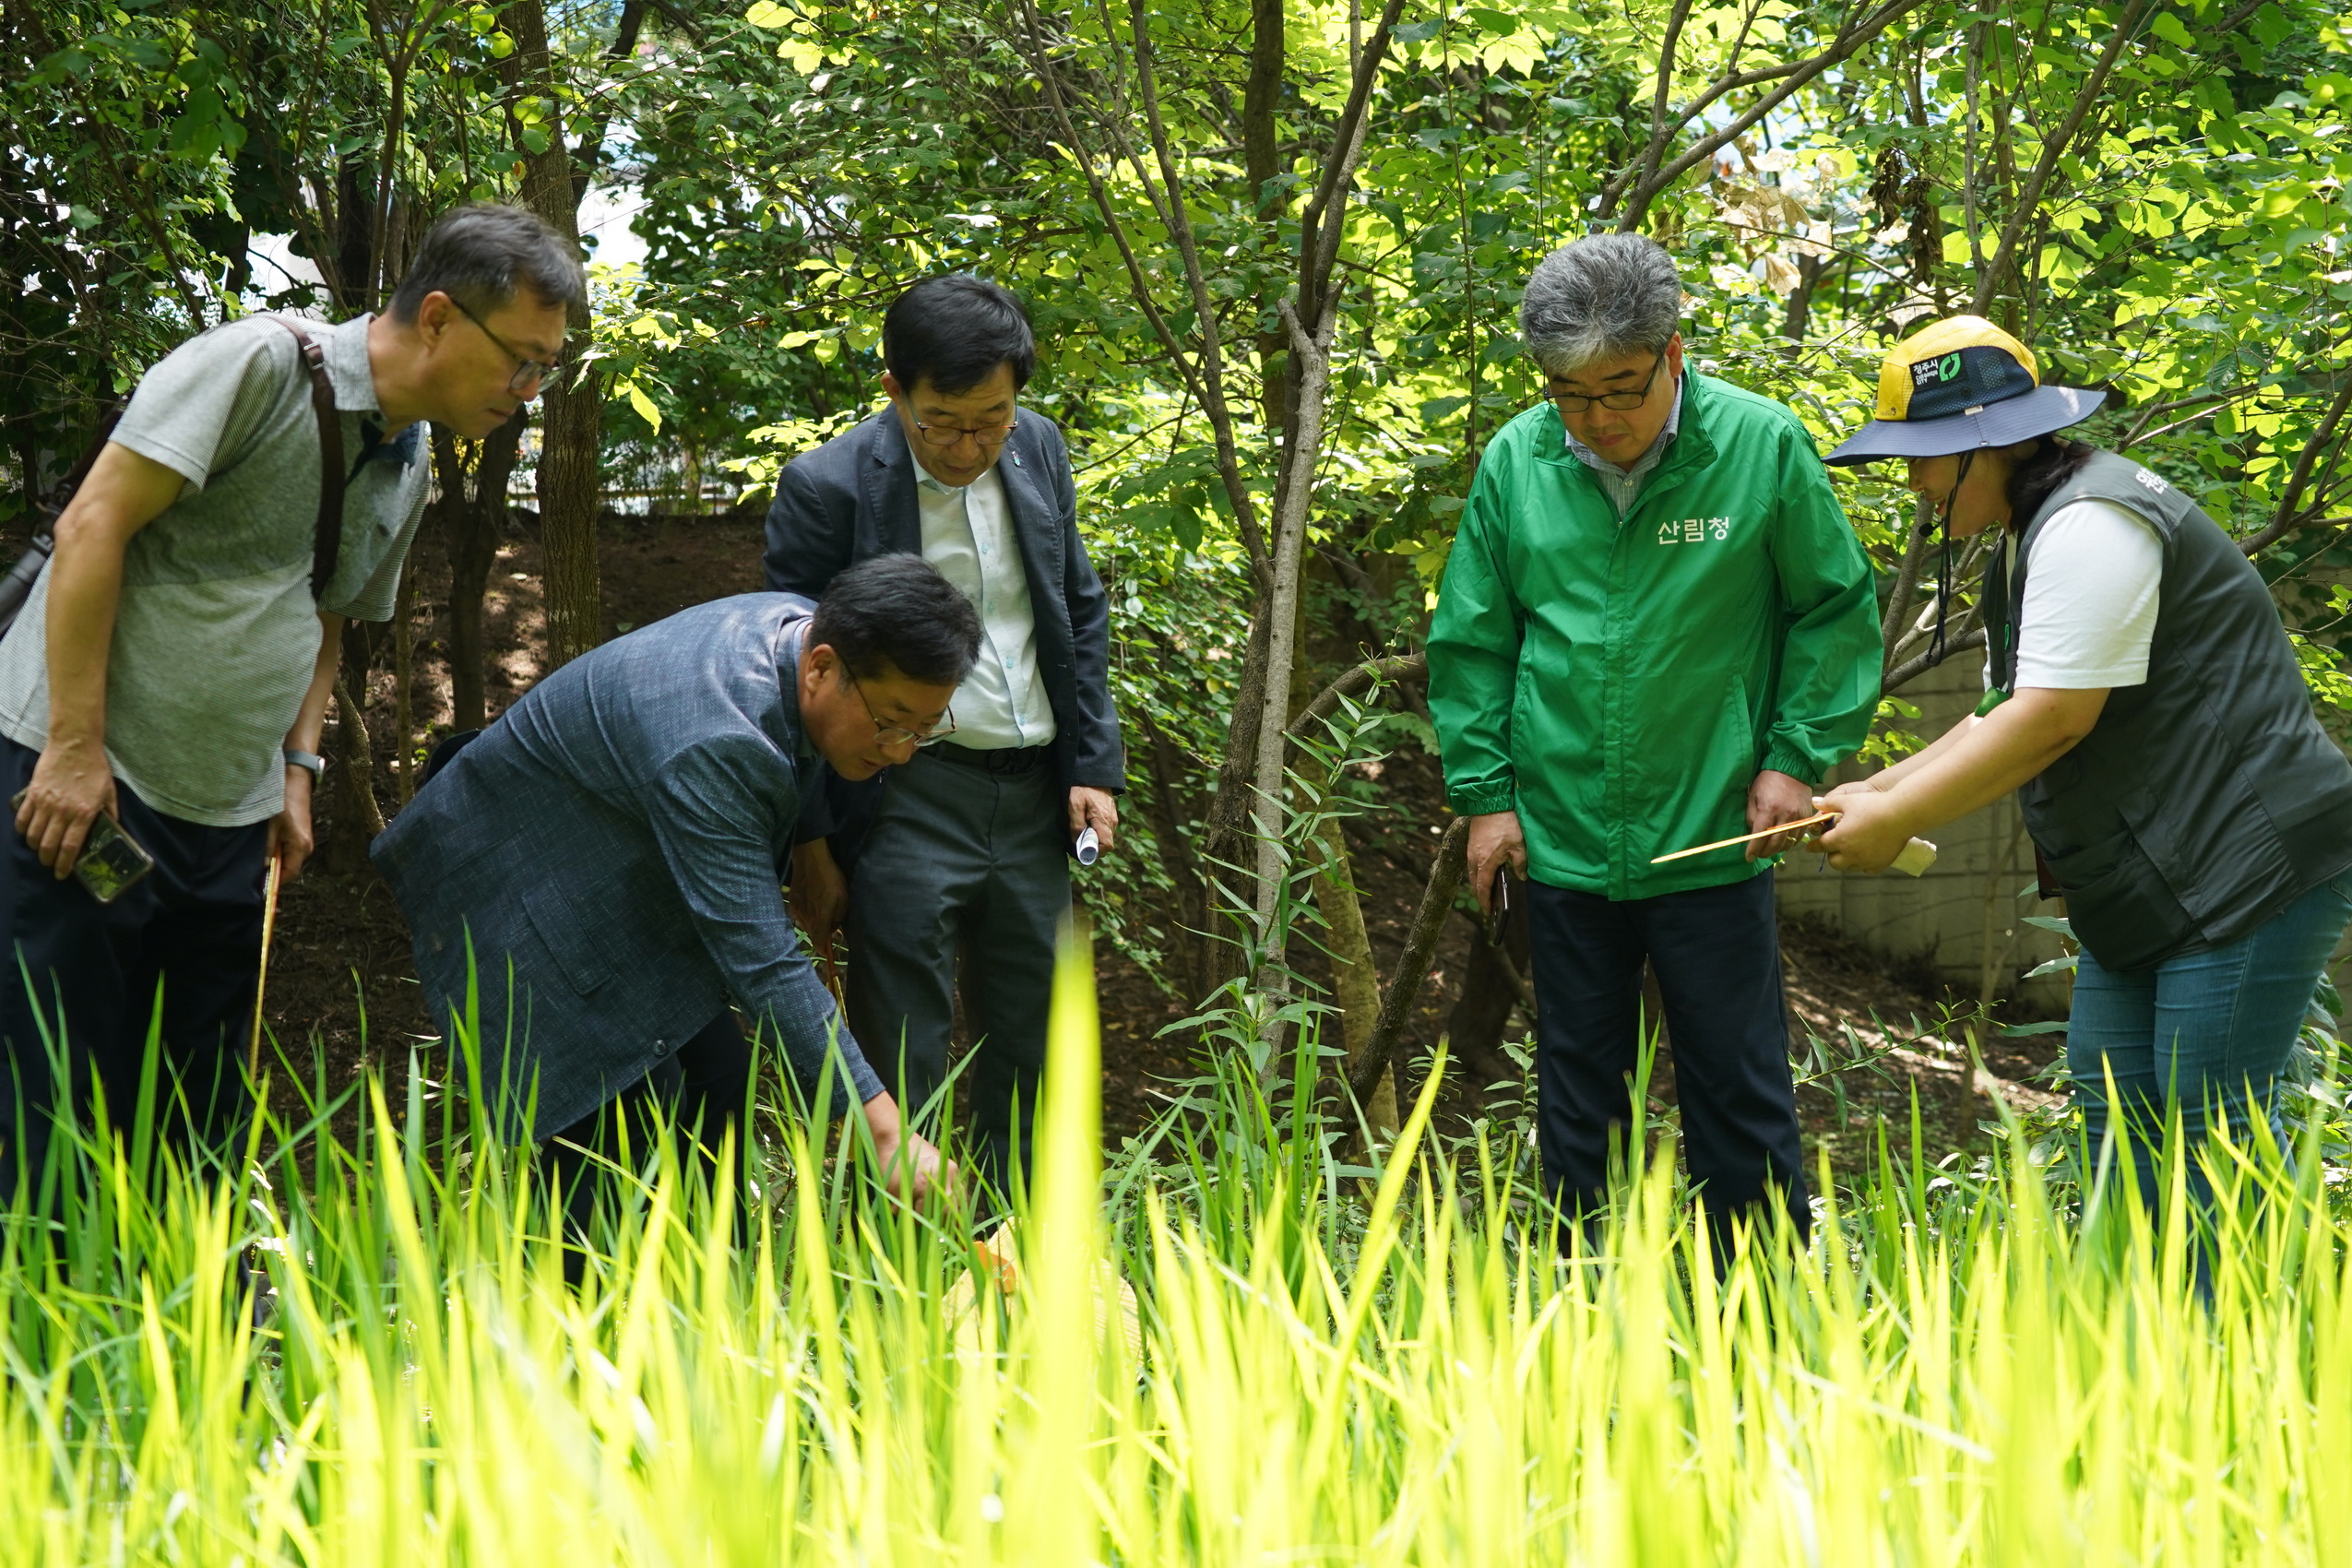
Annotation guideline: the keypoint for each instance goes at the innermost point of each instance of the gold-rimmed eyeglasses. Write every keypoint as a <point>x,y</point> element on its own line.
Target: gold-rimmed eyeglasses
<point>942,437</point>
<point>898,734</point>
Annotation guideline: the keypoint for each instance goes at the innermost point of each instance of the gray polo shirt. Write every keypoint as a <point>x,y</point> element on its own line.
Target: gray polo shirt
<point>215,634</point>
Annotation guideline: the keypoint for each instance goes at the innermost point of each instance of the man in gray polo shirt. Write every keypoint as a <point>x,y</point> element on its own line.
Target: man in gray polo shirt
<point>172,669</point>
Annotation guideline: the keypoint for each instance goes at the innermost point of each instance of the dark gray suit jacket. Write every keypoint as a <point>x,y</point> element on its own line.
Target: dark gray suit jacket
<point>854,496</point>
<point>605,857</point>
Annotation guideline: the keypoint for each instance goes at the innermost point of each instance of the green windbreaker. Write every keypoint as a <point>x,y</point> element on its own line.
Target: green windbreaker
<point>1619,684</point>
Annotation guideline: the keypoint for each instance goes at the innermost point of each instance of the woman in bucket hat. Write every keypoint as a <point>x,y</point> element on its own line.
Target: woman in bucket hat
<point>2144,703</point>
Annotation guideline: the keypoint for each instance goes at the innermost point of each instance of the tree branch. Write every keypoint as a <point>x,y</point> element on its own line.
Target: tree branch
<point>1420,942</point>
<point>1326,211</point>
<point>1180,224</point>
<point>1912,668</point>
<point>2284,519</point>
<point>2030,196</point>
<point>1655,179</point>
<point>1403,667</point>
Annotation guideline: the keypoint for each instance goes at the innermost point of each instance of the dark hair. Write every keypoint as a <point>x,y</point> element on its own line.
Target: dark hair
<point>481,255</point>
<point>896,612</point>
<point>2053,461</point>
<point>953,331</point>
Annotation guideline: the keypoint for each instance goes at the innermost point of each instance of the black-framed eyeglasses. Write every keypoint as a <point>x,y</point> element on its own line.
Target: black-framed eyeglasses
<point>898,734</point>
<point>942,437</point>
<point>529,372</point>
<point>1576,402</point>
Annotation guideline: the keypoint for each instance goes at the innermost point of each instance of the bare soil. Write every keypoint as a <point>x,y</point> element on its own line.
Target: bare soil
<point>341,969</point>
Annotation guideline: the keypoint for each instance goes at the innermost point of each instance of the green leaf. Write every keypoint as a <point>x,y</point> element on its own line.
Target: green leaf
<point>643,404</point>
<point>2169,28</point>
<point>2050,1026</point>
<point>767,14</point>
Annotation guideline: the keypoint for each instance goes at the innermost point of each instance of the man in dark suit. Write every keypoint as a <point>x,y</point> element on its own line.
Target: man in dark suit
<point>593,881</point>
<point>969,851</point>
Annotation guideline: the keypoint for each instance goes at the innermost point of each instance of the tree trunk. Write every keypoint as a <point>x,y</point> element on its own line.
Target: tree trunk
<point>1194,951</point>
<point>358,819</point>
<point>1261,163</point>
<point>1482,1011</point>
<point>573,419</point>
<point>404,752</point>
<point>1356,977</point>
<point>473,520</point>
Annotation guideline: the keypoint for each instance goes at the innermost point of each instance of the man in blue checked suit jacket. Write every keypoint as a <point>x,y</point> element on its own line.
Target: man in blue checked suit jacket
<point>605,857</point>
<point>966,870</point>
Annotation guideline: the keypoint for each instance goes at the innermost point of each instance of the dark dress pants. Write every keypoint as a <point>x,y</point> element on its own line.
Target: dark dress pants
<point>1716,955</point>
<point>966,872</point>
<point>192,926</point>
<point>697,1095</point>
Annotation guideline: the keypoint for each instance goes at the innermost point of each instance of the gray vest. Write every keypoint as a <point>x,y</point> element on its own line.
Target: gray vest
<point>2206,800</point>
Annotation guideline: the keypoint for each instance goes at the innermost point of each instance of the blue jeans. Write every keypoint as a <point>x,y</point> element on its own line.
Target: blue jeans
<point>2207,1034</point>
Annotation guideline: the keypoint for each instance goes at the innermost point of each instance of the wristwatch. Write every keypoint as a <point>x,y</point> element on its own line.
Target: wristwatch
<point>310,761</point>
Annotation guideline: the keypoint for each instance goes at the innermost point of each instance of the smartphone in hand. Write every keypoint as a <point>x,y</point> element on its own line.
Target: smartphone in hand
<point>111,861</point>
<point>1498,912</point>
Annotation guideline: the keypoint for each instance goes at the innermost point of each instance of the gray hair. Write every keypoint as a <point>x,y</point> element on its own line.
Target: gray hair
<point>480,255</point>
<point>1597,298</point>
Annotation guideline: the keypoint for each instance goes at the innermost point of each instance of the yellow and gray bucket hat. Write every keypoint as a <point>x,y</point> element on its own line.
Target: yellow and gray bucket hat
<point>1957,386</point>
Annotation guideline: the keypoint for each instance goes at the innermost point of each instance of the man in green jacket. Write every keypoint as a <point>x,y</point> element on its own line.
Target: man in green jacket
<point>1657,629</point>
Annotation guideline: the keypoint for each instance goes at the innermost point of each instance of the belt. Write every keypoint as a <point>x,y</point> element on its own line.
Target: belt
<point>1003,760</point>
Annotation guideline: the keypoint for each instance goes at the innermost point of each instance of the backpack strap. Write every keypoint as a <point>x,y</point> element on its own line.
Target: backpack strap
<point>326,534</point>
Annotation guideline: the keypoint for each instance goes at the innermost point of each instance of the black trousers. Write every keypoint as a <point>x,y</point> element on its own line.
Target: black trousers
<point>702,1092</point>
<point>962,886</point>
<point>184,942</point>
<point>1716,955</point>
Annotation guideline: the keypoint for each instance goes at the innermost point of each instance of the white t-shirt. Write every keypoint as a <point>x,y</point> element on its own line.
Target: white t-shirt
<point>2091,600</point>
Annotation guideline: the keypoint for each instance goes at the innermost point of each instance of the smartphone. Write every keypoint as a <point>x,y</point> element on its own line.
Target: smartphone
<point>1499,910</point>
<point>111,860</point>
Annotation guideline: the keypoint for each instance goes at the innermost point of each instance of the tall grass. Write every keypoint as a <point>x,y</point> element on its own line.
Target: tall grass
<point>1952,1375</point>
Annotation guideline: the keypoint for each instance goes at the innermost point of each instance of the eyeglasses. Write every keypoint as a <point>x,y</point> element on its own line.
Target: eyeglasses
<point>898,734</point>
<point>943,436</point>
<point>529,372</point>
<point>1576,402</point>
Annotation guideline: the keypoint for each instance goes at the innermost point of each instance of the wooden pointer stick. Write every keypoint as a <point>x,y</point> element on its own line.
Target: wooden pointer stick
<point>261,981</point>
<point>1916,856</point>
<point>1816,818</point>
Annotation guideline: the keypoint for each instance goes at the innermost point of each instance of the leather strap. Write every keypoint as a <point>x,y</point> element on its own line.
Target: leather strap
<point>326,534</point>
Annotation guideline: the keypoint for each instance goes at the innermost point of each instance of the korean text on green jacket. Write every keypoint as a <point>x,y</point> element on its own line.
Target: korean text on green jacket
<point>1619,684</point>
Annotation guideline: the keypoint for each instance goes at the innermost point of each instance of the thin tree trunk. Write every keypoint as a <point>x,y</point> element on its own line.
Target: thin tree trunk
<point>1194,951</point>
<point>1356,977</point>
<point>474,519</point>
<point>358,819</point>
<point>1445,880</point>
<point>574,422</point>
<point>404,732</point>
<point>1261,163</point>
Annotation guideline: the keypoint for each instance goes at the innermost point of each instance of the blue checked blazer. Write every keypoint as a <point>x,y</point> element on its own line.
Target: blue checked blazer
<point>612,847</point>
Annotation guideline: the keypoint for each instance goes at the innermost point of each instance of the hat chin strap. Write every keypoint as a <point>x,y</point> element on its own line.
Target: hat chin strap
<point>1943,550</point>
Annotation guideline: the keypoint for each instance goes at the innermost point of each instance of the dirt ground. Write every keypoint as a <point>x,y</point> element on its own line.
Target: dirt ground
<point>341,968</point>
